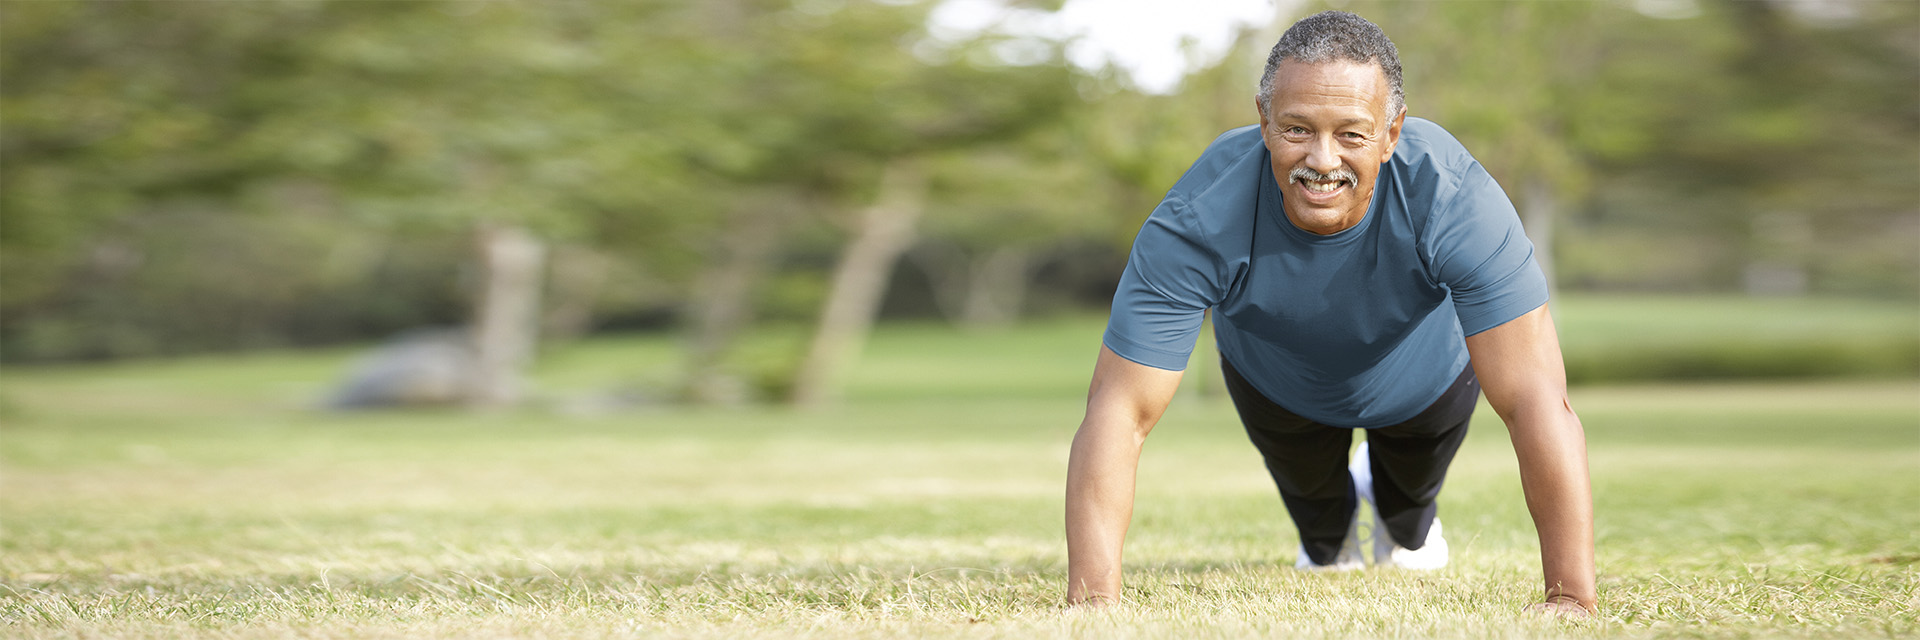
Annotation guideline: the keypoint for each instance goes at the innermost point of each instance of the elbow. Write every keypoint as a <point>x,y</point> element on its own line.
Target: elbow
<point>1129,420</point>
<point>1532,407</point>
<point>1546,412</point>
<point>1135,421</point>
<point>1142,420</point>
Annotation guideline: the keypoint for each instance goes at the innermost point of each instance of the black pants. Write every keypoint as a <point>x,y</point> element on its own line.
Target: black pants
<point>1308,461</point>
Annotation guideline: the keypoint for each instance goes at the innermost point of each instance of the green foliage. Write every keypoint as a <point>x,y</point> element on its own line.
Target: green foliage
<point>1699,131</point>
<point>1508,78</point>
<point>1766,118</point>
<point>272,280</point>
<point>258,157</point>
<point>630,128</point>
<point>188,176</point>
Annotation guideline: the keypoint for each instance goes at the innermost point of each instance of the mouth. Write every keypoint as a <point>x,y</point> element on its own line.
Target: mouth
<point>1322,187</point>
<point>1323,193</point>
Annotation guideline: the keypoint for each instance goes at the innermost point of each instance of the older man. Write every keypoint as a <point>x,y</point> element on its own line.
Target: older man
<point>1365,273</point>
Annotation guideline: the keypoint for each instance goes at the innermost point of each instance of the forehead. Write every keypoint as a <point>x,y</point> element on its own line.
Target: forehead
<point>1334,85</point>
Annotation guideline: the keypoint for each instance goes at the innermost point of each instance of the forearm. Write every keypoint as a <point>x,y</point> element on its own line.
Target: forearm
<point>1100,478</point>
<point>1551,447</point>
<point>1122,406</point>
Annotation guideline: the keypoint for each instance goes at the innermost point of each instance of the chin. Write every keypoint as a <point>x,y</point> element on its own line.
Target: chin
<point>1319,221</point>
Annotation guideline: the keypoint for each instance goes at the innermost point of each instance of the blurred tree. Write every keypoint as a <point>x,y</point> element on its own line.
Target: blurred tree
<point>188,176</point>
<point>872,116</point>
<point>1506,78</point>
<point>126,148</point>
<point>1707,136</point>
<point>996,212</point>
<point>418,119</point>
<point>520,124</point>
<point>1788,144</point>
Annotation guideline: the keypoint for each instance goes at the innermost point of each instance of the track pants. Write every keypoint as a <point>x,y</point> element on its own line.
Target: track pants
<point>1308,461</point>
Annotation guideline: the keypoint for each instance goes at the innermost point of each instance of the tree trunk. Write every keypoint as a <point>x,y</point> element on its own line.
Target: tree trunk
<point>506,316</point>
<point>1539,207</point>
<point>723,305</point>
<point>886,230</point>
<point>996,288</point>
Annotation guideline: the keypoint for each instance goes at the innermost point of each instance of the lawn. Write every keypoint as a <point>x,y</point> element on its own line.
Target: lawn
<point>201,497</point>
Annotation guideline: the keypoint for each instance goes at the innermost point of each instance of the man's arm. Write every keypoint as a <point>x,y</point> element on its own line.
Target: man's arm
<point>1125,401</point>
<point>1520,368</point>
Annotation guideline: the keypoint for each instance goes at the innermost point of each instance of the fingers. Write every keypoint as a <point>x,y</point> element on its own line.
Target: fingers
<point>1564,608</point>
<point>1093,602</point>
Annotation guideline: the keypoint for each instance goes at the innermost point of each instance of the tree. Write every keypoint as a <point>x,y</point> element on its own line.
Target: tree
<point>417,119</point>
<point>856,119</point>
<point>997,210</point>
<point>1506,78</point>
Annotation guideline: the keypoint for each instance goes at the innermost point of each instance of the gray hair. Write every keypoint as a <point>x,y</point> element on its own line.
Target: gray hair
<point>1336,35</point>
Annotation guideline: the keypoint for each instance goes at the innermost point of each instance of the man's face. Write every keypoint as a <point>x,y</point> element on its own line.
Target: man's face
<point>1326,131</point>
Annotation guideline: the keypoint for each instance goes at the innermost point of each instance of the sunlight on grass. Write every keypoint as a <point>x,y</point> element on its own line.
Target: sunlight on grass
<point>201,498</point>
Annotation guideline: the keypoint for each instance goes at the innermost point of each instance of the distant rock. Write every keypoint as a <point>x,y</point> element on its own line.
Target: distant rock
<point>419,368</point>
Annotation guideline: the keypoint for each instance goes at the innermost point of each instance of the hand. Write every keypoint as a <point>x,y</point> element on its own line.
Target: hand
<point>1564,607</point>
<point>1093,602</point>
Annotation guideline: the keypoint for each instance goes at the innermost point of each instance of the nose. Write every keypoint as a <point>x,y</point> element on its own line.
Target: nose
<point>1321,155</point>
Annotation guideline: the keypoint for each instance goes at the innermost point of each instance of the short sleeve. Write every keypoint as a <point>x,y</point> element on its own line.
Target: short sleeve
<point>1479,251</point>
<point>1172,277</point>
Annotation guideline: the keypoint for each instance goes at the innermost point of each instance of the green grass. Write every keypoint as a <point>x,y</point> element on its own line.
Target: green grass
<point>1639,338</point>
<point>201,498</point>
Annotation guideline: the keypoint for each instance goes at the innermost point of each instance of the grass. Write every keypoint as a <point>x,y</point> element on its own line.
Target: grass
<point>200,498</point>
<point>1611,339</point>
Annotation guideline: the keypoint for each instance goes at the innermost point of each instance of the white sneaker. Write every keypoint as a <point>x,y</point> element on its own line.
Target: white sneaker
<point>1349,558</point>
<point>1386,552</point>
<point>1361,469</point>
<point>1430,556</point>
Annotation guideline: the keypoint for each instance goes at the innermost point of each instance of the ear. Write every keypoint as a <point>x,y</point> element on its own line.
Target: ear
<point>1263,114</point>
<point>1393,135</point>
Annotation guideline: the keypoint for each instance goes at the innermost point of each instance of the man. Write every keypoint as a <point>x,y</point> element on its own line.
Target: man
<point>1365,273</point>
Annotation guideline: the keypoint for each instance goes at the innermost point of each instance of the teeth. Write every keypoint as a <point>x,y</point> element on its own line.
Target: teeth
<point>1321,187</point>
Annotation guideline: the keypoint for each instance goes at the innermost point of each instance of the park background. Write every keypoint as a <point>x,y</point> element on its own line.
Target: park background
<point>774,318</point>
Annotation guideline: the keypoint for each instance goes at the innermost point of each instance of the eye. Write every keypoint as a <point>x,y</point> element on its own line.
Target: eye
<point>1295,132</point>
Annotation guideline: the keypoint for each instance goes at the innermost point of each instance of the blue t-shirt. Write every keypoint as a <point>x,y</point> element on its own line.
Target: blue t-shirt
<point>1362,328</point>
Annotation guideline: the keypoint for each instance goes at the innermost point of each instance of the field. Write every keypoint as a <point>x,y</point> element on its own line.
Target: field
<point>202,497</point>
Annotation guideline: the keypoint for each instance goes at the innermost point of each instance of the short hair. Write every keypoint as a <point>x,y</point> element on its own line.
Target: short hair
<point>1336,35</point>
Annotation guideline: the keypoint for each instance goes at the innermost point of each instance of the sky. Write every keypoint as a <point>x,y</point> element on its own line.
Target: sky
<point>1159,41</point>
<point>1155,41</point>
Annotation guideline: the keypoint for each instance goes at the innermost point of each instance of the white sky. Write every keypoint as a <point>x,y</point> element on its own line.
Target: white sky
<point>1157,42</point>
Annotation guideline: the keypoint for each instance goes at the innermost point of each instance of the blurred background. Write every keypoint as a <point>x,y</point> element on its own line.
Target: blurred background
<point>750,187</point>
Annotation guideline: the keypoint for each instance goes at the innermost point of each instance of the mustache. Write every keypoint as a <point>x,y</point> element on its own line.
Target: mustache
<point>1303,173</point>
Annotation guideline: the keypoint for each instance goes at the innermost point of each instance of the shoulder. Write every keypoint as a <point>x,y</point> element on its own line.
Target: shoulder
<point>1431,160</point>
<point>1225,163</point>
<point>1435,171</point>
<point>1215,199</point>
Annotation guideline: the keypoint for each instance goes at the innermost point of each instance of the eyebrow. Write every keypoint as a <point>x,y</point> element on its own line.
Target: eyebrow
<point>1342,123</point>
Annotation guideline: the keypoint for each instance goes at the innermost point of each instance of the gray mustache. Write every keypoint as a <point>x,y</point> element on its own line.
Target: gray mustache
<point>1303,173</point>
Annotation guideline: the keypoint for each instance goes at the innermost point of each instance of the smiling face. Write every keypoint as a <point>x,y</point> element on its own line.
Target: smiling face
<point>1325,127</point>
